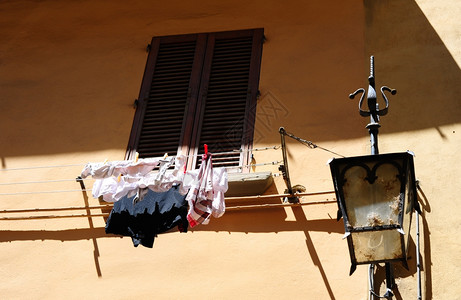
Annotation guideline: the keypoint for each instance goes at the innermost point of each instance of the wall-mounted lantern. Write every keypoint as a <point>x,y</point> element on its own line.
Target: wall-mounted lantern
<point>376,195</point>
<point>376,198</point>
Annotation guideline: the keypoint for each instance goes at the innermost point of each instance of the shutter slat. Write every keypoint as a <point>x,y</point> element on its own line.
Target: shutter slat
<point>222,125</point>
<point>166,103</point>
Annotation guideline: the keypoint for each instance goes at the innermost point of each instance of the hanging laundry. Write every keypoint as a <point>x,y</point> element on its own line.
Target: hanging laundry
<point>204,187</point>
<point>206,192</point>
<point>124,167</point>
<point>113,188</point>
<point>161,181</point>
<point>144,220</point>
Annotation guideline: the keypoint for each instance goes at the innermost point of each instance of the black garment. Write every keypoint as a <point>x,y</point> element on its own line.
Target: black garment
<point>154,214</point>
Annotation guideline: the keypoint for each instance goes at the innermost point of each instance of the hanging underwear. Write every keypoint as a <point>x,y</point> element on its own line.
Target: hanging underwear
<point>142,219</point>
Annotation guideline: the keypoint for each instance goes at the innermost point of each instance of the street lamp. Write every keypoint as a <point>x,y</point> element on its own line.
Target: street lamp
<point>376,195</point>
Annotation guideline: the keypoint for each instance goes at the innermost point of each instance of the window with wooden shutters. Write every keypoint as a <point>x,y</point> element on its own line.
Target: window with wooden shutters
<point>199,89</point>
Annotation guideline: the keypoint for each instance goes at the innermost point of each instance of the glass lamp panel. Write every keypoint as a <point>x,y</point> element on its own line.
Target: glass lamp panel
<point>372,246</point>
<point>372,204</point>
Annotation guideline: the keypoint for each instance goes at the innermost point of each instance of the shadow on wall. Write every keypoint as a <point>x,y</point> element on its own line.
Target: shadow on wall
<point>411,57</point>
<point>255,220</point>
<point>50,113</point>
<point>268,220</point>
<point>55,235</point>
<point>425,254</point>
<point>271,220</point>
<point>258,221</point>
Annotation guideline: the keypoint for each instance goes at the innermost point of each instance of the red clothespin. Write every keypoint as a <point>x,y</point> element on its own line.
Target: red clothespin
<point>206,151</point>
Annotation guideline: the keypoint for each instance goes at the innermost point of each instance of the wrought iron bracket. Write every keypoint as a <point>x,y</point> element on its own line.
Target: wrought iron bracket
<point>284,168</point>
<point>79,179</point>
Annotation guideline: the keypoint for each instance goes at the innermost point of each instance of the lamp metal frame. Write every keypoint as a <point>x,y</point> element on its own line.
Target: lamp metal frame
<point>403,162</point>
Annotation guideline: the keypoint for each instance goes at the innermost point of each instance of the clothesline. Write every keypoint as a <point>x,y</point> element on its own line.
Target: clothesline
<point>167,198</point>
<point>276,162</point>
<point>83,164</point>
<point>45,192</point>
<point>68,180</point>
<point>42,181</point>
<point>228,199</point>
<point>229,208</point>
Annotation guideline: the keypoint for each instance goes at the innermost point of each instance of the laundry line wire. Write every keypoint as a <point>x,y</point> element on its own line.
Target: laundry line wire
<point>105,215</point>
<point>45,192</point>
<point>228,209</point>
<point>89,214</point>
<point>89,190</point>
<point>43,167</point>
<point>83,164</point>
<point>276,162</point>
<point>110,205</point>
<point>43,181</point>
<point>74,179</point>
<point>240,151</point>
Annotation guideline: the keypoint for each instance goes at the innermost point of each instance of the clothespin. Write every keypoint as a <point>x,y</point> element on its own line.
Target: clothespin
<point>119,177</point>
<point>136,157</point>
<point>206,151</point>
<point>105,161</point>
<point>165,156</point>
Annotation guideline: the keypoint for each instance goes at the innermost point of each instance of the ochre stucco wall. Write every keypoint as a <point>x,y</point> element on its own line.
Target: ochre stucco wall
<point>70,71</point>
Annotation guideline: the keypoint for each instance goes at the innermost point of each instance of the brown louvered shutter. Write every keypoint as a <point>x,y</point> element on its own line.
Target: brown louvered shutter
<point>199,89</point>
<point>227,99</point>
<point>169,88</point>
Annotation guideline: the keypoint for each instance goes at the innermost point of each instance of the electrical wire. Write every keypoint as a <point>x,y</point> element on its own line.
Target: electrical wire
<point>371,270</point>
<point>418,259</point>
<point>418,262</point>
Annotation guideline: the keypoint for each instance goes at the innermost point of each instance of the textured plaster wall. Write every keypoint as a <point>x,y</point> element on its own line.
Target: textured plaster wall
<point>70,71</point>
